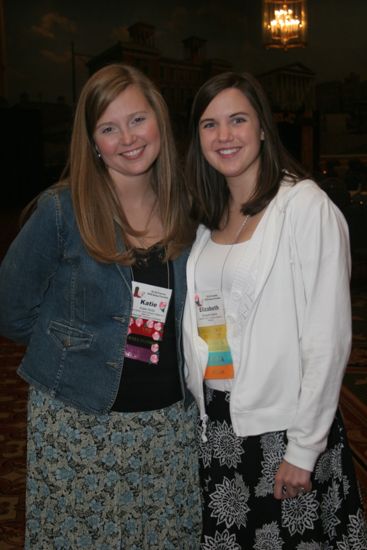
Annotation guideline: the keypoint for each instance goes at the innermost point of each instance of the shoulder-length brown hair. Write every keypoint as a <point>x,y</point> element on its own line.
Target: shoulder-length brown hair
<point>208,187</point>
<point>97,208</point>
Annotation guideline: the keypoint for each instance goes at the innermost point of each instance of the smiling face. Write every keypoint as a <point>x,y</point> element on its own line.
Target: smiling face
<point>127,136</point>
<point>230,136</point>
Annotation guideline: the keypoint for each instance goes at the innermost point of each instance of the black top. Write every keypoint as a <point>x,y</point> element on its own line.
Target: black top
<point>148,386</point>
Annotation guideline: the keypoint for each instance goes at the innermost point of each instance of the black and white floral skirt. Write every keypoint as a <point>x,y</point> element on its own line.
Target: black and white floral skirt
<point>240,512</point>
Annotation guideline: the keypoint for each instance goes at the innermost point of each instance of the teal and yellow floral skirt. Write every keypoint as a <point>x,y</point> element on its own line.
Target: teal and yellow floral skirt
<point>114,481</point>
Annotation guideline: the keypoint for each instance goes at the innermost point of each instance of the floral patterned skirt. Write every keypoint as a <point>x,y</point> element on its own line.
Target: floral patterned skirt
<point>240,512</point>
<point>115,481</point>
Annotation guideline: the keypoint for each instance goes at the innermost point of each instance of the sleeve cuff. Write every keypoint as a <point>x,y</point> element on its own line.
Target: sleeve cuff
<point>301,457</point>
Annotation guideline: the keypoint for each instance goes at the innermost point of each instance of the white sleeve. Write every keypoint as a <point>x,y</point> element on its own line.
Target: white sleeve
<point>322,256</point>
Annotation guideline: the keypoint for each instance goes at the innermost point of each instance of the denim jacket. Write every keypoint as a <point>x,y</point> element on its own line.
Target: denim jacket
<point>70,310</point>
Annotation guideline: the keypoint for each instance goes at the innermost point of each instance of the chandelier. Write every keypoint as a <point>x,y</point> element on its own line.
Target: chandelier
<point>284,24</point>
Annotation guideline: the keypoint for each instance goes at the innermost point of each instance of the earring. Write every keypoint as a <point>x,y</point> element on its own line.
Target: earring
<point>97,152</point>
<point>262,136</point>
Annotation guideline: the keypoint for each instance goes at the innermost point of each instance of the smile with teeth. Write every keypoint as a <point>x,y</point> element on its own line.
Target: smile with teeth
<point>134,153</point>
<point>228,152</point>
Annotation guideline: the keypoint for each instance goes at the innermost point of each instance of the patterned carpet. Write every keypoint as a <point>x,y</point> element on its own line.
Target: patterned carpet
<point>353,399</point>
<point>13,398</point>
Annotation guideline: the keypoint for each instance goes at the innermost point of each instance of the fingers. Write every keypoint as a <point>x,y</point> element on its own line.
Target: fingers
<point>291,482</point>
<point>278,490</point>
<point>292,492</point>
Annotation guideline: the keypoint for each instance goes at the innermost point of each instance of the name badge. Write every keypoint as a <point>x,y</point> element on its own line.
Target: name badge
<point>150,302</point>
<point>212,328</point>
<point>148,316</point>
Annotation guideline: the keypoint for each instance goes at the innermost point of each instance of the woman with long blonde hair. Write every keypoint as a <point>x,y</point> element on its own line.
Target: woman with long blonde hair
<point>94,285</point>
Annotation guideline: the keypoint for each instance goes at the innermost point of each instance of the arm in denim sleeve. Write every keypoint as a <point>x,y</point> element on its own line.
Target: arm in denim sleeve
<point>28,267</point>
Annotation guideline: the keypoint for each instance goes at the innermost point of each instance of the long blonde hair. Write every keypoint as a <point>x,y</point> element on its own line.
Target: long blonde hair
<point>100,218</point>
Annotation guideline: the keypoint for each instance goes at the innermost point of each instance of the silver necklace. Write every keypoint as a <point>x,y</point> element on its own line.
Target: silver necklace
<point>243,223</point>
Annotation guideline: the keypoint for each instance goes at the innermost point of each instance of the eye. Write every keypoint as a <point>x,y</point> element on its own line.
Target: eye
<point>239,120</point>
<point>138,119</point>
<point>107,130</point>
<point>207,124</point>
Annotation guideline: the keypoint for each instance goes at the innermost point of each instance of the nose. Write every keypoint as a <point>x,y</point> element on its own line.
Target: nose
<point>224,132</point>
<point>127,136</point>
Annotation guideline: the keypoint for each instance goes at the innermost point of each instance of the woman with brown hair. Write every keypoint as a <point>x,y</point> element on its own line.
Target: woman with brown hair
<point>94,285</point>
<point>267,334</point>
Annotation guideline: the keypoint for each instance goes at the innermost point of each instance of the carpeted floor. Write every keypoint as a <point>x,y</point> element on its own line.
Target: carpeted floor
<point>13,402</point>
<point>13,397</point>
<point>353,398</point>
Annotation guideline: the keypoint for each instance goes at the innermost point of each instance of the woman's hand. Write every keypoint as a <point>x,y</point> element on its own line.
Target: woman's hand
<point>291,481</point>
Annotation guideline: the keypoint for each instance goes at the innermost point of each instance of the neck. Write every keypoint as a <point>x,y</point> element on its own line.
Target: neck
<point>128,187</point>
<point>135,194</point>
<point>239,195</point>
<point>139,204</point>
<point>242,187</point>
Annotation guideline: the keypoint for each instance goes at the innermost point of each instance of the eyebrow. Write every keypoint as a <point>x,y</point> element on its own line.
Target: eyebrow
<point>111,123</point>
<point>232,115</point>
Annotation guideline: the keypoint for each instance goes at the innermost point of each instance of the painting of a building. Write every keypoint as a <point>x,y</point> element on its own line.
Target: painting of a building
<point>178,79</point>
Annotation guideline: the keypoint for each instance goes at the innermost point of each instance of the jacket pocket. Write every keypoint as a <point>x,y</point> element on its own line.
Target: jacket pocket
<point>69,338</point>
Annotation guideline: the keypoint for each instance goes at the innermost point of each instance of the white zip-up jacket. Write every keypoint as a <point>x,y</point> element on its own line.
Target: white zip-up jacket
<point>288,324</point>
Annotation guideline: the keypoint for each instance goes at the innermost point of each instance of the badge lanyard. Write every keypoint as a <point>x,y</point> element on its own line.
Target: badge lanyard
<point>210,315</point>
<point>148,316</point>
